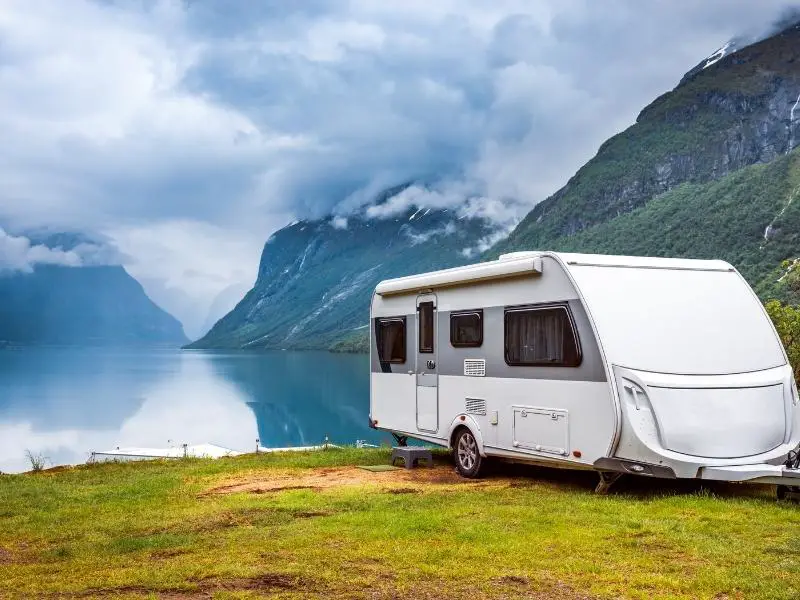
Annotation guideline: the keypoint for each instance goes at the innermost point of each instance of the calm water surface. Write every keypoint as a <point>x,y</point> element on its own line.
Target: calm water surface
<point>65,402</point>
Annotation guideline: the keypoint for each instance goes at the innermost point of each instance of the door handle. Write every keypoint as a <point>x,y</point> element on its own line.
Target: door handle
<point>431,364</point>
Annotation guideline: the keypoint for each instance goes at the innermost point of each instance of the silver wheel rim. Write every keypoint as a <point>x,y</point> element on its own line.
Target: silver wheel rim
<point>467,451</point>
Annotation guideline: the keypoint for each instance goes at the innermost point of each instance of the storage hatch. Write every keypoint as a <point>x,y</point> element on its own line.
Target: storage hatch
<point>541,429</point>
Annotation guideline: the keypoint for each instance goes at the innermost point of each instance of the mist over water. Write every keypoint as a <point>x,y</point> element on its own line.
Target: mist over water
<point>63,403</point>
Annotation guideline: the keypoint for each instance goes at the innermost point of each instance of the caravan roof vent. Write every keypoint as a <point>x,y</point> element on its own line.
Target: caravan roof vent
<point>513,255</point>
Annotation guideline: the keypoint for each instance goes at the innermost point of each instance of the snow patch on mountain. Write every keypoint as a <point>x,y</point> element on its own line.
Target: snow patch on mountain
<point>721,53</point>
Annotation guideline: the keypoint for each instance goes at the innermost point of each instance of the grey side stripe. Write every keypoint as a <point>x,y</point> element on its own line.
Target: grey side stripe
<point>451,360</point>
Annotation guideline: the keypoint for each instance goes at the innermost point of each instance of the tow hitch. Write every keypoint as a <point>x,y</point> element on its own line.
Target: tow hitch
<point>791,492</point>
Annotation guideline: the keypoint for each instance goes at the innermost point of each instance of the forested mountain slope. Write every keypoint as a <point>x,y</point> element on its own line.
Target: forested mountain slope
<point>741,110</point>
<point>750,218</point>
<point>316,278</point>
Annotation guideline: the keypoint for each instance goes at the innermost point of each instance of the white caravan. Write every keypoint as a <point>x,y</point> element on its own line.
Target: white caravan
<point>649,366</point>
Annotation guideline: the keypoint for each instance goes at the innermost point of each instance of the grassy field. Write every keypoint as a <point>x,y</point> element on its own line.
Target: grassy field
<point>312,525</point>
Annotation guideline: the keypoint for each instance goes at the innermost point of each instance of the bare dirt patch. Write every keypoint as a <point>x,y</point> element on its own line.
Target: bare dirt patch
<point>511,586</point>
<point>5,557</point>
<point>514,579</point>
<point>206,588</point>
<point>263,583</point>
<point>167,553</point>
<point>401,481</point>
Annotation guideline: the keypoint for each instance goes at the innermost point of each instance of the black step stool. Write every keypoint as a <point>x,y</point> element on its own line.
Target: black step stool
<point>412,455</point>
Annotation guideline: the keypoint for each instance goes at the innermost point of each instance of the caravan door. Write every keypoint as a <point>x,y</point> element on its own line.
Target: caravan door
<point>427,369</point>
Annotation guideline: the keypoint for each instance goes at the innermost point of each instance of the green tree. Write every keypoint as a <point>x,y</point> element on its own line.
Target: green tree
<point>791,277</point>
<point>787,322</point>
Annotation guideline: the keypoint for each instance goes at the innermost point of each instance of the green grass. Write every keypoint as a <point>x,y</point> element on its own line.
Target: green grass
<point>150,530</point>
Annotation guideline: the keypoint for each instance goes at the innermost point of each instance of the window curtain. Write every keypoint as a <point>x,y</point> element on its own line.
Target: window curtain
<point>536,336</point>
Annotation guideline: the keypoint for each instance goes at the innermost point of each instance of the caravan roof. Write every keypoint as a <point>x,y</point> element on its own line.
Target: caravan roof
<point>690,317</point>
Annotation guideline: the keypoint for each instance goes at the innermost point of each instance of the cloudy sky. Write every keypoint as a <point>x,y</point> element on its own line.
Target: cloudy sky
<point>186,131</point>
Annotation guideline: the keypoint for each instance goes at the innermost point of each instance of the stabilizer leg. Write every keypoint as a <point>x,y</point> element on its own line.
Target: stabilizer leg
<point>789,493</point>
<point>606,481</point>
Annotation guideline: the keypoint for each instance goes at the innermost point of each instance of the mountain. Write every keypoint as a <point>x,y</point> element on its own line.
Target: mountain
<point>94,304</point>
<point>706,171</point>
<point>223,303</point>
<point>316,278</point>
<point>743,108</point>
<point>750,218</point>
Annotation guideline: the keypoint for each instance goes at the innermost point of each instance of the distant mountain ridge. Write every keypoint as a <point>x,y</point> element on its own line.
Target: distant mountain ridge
<point>92,304</point>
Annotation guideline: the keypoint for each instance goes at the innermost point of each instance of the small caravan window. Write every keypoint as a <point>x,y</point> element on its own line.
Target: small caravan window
<point>543,336</point>
<point>466,329</point>
<point>391,339</point>
<point>425,327</point>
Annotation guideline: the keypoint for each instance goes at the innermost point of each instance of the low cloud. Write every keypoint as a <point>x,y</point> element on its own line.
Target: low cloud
<point>18,253</point>
<point>185,265</point>
<point>146,118</point>
<point>485,243</point>
<point>339,222</point>
<point>420,237</point>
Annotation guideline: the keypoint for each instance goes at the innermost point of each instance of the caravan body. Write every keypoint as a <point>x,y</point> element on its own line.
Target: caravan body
<point>651,366</point>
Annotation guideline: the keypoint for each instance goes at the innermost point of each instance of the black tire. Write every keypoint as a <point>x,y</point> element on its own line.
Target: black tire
<point>467,454</point>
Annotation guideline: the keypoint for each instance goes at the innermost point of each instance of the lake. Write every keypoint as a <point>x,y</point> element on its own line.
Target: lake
<point>63,403</point>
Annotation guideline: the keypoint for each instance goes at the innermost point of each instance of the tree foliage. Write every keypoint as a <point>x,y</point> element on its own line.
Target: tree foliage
<point>787,321</point>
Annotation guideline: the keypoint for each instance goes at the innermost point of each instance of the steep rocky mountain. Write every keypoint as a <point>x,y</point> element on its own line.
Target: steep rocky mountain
<point>316,278</point>
<point>750,218</point>
<point>735,109</point>
<point>79,305</point>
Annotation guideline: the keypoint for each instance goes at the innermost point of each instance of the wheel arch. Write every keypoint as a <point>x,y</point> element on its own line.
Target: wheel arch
<point>466,422</point>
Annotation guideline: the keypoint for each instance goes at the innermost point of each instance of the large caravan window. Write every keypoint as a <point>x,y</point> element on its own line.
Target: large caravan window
<point>425,327</point>
<point>391,338</point>
<point>466,329</point>
<point>541,336</point>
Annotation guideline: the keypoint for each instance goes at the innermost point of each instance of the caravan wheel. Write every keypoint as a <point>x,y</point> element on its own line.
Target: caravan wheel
<point>467,454</point>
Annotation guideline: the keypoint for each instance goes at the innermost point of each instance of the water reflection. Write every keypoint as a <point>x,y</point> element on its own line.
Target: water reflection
<point>300,398</point>
<point>63,403</point>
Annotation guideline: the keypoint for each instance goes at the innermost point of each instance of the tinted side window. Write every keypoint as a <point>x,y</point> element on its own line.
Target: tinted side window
<point>390,335</point>
<point>425,327</point>
<point>466,329</point>
<point>541,336</point>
